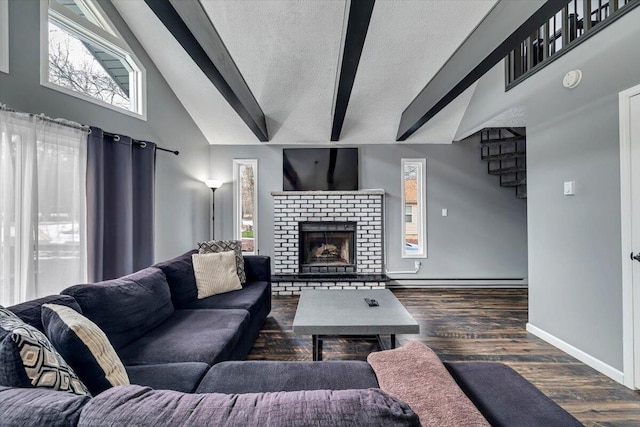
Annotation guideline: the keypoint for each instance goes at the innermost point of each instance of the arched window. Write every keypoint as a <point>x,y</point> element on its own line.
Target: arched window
<point>83,55</point>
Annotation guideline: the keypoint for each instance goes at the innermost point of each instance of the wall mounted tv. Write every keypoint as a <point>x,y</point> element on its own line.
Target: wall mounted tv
<point>314,169</point>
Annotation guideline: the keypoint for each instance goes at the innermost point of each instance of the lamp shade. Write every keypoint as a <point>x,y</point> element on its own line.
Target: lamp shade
<point>213,183</point>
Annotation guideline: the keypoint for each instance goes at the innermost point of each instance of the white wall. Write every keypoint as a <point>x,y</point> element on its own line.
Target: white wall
<point>575,290</point>
<point>182,201</point>
<point>484,236</point>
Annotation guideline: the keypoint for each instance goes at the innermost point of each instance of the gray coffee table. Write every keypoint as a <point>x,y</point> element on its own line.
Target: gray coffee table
<point>344,313</point>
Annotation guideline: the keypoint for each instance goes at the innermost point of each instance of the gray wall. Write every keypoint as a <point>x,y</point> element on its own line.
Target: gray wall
<point>182,201</point>
<point>575,290</point>
<point>484,235</point>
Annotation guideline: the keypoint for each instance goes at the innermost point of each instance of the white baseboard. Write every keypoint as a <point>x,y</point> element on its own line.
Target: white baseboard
<point>585,358</point>
<point>457,283</point>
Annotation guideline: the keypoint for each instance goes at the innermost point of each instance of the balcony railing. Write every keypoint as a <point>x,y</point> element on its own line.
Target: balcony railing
<point>564,30</point>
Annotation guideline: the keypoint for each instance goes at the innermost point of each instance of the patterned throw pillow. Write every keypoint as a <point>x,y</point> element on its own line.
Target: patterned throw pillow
<point>215,273</point>
<point>29,360</point>
<point>85,347</point>
<point>224,246</point>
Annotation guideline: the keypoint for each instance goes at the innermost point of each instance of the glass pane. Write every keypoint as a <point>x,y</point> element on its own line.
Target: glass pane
<point>557,40</point>
<point>86,11</point>
<point>87,69</point>
<point>327,247</point>
<point>576,19</point>
<point>42,211</point>
<point>411,242</point>
<point>600,10</point>
<point>59,244</point>
<point>408,213</point>
<point>247,207</point>
<point>4,37</point>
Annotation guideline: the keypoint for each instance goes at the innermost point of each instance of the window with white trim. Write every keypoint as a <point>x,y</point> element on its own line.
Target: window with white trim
<point>414,230</point>
<point>245,204</point>
<point>83,55</point>
<point>4,36</point>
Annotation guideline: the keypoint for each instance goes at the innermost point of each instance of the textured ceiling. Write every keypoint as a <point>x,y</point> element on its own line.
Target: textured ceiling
<point>288,52</point>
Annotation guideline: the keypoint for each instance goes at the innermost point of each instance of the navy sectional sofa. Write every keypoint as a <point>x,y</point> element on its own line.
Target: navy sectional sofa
<point>165,336</point>
<point>184,358</point>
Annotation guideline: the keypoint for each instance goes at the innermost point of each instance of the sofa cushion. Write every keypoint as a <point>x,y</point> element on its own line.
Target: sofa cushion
<point>184,377</point>
<point>147,407</point>
<point>30,311</point>
<point>505,398</point>
<point>27,359</point>
<point>249,298</point>
<point>265,376</point>
<point>39,407</point>
<point>215,273</point>
<point>128,307</point>
<point>257,318</point>
<point>207,336</point>
<point>181,280</point>
<point>224,246</point>
<point>85,347</point>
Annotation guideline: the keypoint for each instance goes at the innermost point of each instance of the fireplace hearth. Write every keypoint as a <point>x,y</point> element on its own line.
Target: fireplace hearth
<point>327,247</point>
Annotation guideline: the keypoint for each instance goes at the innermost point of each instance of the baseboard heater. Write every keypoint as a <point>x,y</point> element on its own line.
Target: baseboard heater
<point>516,282</point>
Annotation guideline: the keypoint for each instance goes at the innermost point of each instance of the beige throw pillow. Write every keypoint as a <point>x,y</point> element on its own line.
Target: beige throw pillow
<point>85,347</point>
<point>215,273</point>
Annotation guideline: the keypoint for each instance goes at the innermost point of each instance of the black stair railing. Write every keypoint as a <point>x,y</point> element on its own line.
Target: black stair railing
<point>563,31</point>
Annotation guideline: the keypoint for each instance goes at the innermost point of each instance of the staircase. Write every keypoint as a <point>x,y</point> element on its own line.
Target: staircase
<point>505,151</point>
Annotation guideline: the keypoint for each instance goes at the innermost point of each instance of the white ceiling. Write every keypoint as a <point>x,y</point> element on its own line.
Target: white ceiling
<point>288,52</point>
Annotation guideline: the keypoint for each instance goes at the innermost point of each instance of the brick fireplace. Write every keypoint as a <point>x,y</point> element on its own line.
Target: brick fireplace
<point>328,239</point>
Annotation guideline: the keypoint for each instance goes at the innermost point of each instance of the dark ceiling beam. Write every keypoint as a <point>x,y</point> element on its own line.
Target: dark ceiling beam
<point>357,26</point>
<point>189,23</point>
<point>501,31</point>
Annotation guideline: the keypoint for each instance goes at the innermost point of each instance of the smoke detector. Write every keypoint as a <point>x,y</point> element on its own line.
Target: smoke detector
<point>572,79</point>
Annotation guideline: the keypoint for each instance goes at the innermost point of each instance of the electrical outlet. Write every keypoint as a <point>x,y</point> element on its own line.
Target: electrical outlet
<point>417,265</point>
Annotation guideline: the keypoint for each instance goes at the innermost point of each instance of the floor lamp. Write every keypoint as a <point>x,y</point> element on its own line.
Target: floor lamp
<point>213,184</point>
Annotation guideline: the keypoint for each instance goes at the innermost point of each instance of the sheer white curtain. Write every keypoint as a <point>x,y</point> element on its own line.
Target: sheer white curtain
<point>42,207</point>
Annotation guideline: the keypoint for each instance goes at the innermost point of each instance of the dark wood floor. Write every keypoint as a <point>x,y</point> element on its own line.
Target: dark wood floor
<point>487,324</point>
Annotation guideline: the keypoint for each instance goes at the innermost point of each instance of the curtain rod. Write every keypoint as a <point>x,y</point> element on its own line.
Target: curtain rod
<point>82,127</point>
<point>61,122</point>
<point>138,142</point>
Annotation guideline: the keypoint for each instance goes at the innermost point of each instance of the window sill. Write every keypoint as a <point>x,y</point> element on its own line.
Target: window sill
<point>95,101</point>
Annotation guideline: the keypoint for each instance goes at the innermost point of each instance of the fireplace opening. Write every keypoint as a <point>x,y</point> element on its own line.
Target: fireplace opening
<point>327,247</point>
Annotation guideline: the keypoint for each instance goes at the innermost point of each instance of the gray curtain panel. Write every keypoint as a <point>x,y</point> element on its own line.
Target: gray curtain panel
<point>120,198</point>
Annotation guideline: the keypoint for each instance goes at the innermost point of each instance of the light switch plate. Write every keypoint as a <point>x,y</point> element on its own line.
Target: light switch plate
<point>445,212</point>
<point>569,188</point>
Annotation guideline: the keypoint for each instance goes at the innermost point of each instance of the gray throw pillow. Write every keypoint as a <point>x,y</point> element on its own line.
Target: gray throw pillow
<point>224,246</point>
<point>27,359</point>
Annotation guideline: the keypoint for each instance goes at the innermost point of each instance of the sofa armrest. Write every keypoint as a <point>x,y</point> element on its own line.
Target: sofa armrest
<point>505,398</point>
<point>142,406</point>
<point>257,268</point>
<point>39,407</point>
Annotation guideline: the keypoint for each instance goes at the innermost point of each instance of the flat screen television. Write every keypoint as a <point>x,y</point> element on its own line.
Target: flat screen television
<point>314,169</point>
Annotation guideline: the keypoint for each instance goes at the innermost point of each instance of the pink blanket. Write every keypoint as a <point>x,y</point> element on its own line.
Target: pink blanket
<point>414,373</point>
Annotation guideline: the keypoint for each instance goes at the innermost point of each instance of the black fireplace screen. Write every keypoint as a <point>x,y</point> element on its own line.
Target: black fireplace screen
<point>327,247</point>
